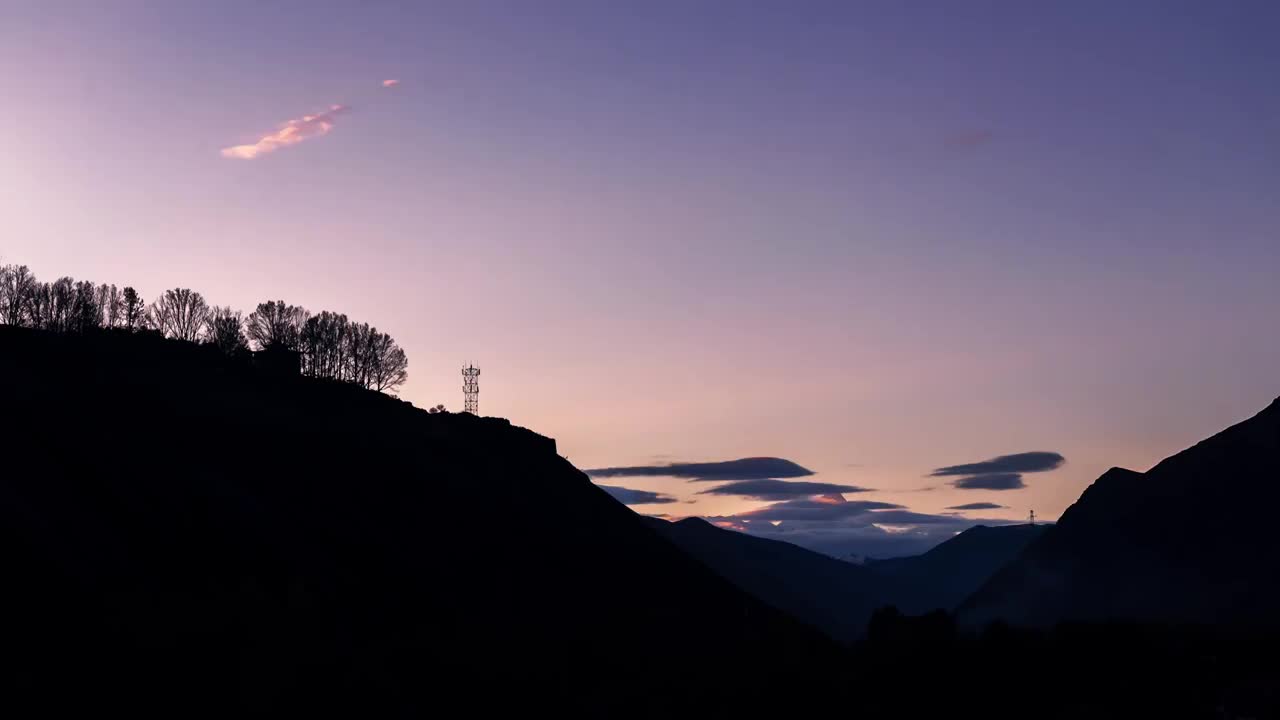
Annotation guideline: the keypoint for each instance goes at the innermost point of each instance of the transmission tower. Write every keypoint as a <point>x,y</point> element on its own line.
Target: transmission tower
<point>471,389</point>
<point>1032,521</point>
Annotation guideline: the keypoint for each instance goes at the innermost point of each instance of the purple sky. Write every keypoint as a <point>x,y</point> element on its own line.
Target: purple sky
<point>873,238</point>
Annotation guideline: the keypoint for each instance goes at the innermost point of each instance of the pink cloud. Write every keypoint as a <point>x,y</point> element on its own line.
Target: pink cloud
<point>390,83</point>
<point>290,133</point>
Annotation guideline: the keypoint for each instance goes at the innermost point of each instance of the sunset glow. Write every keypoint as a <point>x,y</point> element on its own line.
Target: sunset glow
<point>895,250</point>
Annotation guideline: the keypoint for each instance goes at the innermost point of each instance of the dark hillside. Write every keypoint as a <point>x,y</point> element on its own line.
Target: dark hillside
<point>1190,540</point>
<point>180,530</point>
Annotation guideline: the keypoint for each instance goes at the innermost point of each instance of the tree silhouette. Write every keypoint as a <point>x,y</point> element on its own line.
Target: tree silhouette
<point>110,305</point>
<point>180,313</point>
<point>5,271</point>
<point>390,366</point>
<point>35,306</point>
<point>16,284</point>
<point>133,310</point>
<point>86,313</point>
<point>323,344</point>
<point>328,345</point>
<point>225,330</point>
<point>276,325</point>
<point>61,305</point>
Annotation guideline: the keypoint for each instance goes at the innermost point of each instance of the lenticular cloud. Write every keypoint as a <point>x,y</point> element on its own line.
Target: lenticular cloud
<point>291,132</point>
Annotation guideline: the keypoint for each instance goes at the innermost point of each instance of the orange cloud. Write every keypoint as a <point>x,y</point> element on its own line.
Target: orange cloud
<point>831,499</point>
<point>390,83</point>
<point>290,133</point>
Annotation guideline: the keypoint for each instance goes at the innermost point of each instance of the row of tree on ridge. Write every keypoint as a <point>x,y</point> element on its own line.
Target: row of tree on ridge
<point>328,344</point>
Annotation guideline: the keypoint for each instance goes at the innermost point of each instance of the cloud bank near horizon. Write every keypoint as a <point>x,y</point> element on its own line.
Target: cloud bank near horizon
<point>833,525</point>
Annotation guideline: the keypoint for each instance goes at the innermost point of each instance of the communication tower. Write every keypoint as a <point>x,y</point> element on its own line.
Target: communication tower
<point>471,389</point>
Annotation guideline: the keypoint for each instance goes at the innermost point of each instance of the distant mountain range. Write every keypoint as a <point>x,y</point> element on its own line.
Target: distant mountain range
<point>1191,540</point>
<point>951,571</point>
<point>838,597</point>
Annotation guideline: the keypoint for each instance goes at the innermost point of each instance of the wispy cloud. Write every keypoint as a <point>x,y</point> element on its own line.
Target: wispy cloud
<point>976,506</point>
<point>628,496</point>
<point>991,481</point>
<point>291,132</point>
<point>1001,473</point>
<point>768,489</point>
<point>1019,462</point>
<point>755,468</point>
<point>390,83</point>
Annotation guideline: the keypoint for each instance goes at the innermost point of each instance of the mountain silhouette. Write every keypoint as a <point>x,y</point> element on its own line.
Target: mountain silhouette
<point>1190,540</point>
<point>951,571</point>
<point>832,595</point>
<point>180,530</point>
<point>839,597</point>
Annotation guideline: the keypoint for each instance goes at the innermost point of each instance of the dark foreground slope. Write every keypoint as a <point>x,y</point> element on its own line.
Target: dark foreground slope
<point>953,570</point>
<point>181,532</point>
<point>1191,540</point>
<point>921,666</point>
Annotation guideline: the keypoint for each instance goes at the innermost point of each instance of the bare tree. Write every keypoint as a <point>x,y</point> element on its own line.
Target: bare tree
<point>276,325</point>
<point>36,304</point>
<point>15,286</point>
<point>57,305</point>
<point>110,305</point>
<point>359,354</point>
<point>133,310</point>
<point>21,285</point>
<point>180,313</point>
<point>225,329</point>
<point>323,344</point>
<point>85,314</point>
<point>5,270</point>
<point>374,360</point>
<point>390,365</point>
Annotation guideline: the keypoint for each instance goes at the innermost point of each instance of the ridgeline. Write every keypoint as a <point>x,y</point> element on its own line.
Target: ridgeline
<point>182,531</point>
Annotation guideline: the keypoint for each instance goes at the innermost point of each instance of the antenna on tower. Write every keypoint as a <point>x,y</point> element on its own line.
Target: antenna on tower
<point>1032,521</point>
<point>471,389</point>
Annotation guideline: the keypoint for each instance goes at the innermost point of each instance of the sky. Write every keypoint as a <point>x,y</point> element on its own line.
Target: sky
<point>870,240</point>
